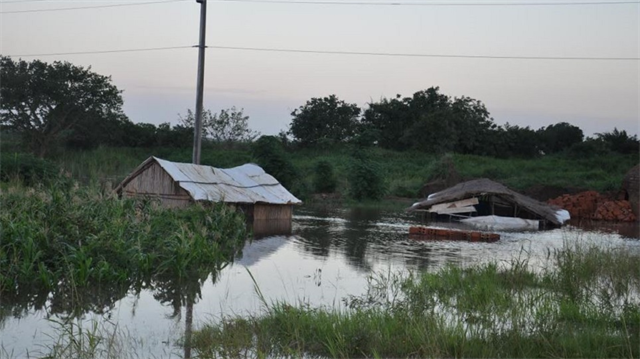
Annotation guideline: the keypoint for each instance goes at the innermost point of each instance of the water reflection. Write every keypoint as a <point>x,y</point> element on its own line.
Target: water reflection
<point>329,255</point>
<point>365,236</point>
<point>68,304</point>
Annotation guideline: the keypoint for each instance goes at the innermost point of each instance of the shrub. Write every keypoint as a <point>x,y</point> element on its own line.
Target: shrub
<point>365,178</point>
<point>324,180</point>
<point>28,169</point>
<point>269,154</point>
<point>588,148</point>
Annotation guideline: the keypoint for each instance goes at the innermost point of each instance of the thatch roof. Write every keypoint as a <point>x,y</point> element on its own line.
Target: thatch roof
<point>485,187</point>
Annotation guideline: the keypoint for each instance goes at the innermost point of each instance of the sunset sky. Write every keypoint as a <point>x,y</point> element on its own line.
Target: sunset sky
<point>595,95</point>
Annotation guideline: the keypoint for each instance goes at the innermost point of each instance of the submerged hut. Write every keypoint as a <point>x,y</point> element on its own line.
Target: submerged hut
<point>248,187</point>
<point>483,197</point>
<point>631,188</point>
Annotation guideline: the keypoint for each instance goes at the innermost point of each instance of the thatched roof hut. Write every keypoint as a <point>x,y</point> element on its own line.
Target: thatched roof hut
<point>175,184</point>
<point>494,198</point>
<point>631,187</point>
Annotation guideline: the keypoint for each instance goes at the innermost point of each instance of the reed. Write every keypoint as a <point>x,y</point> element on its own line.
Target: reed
<point>60,239</point>
<point>488,310</point>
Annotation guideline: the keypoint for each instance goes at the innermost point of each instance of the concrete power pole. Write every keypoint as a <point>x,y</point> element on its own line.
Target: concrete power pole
<point>197,128</point>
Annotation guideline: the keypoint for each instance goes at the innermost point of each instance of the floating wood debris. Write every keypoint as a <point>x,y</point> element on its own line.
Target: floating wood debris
<point>426,233</point>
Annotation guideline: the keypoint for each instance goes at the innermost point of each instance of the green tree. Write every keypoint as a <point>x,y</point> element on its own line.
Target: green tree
<point>270,155</point>
<point>620,141</point>
<point>559,137</point>
<point>325,120</point>
<point>431,122</point>
<point>516,141</point>
<point>46,102</point>
<point>389,120</point>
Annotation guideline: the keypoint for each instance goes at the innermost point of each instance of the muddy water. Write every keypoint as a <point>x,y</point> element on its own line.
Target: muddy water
<point>329,255</point>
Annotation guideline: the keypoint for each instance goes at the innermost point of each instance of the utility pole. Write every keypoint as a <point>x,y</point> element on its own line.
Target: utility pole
<point>197,128</point>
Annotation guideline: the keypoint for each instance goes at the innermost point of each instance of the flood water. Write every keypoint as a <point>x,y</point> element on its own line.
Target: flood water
<point>329,255</point>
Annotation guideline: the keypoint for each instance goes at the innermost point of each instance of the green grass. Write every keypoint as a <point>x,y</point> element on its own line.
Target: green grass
<point>585,304</point>
<point>404,172</point>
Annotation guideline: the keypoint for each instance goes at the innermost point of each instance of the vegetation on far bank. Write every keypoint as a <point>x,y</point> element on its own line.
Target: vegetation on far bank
<point>584,304</point>
<point>73,116</point>
<point>402,174</point>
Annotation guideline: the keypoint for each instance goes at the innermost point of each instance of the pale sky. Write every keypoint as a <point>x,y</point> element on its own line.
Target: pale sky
<point>158,85</point>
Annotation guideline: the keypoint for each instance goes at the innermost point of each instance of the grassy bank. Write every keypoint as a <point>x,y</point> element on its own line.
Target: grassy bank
<point>404,172</point>
<point>585,304</point>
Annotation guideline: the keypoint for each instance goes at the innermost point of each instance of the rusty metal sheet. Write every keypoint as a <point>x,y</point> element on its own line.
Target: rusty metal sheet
<point>248,183</point>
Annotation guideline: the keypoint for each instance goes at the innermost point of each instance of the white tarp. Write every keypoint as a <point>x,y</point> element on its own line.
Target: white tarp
<point>563,215</point>
<point>498,223</point>
<point>248,183</point>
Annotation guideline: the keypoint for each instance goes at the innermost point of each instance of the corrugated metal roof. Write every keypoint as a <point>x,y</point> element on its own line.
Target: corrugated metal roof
<point>248,183</point>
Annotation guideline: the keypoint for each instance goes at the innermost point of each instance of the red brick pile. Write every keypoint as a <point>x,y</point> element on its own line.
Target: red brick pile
<point>593,205</point>
<point>615,211</point>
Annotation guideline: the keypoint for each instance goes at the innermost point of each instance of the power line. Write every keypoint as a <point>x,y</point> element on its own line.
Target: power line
<point>103,51</point>
<point>312,2</point>
<point>92,7</point>
<point>396,3</point>
<point>353,53</point>
<point>426,55</point>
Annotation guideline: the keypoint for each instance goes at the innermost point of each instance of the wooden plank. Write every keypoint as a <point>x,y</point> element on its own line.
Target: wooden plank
<point>456,204</point>
<point>469,209</point>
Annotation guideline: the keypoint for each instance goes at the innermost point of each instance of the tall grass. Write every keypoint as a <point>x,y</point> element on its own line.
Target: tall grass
<point>404,172</point>
<point>81,249</point>
<point>586,303</point>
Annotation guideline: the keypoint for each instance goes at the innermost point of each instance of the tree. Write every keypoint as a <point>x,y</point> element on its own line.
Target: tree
<point>324,120</point>
<point>620,141</point>
<point>431,122</point>
<point>389,120</point>
<point>559,137</point>
<point>230,126</point>
<point>45,102</point>
<point>516,141</point>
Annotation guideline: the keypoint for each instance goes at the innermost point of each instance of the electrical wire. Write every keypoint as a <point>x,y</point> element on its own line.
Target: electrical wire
<point>103,51</point>
<point>92,7</point>
<point>397,3</point>
<point>352,53</point>
<point>493,57</point>
<point>312,2</point>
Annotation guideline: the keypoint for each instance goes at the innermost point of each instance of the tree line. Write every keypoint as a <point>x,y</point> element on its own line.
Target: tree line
<point>62,105</point>
<point>432,122</point>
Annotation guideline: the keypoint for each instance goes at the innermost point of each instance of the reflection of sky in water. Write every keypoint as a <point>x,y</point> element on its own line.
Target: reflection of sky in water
<point>328,257</point>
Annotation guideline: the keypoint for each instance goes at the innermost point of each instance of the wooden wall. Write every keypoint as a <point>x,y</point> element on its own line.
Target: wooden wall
<point>154,182</point>
<point>263,211</point>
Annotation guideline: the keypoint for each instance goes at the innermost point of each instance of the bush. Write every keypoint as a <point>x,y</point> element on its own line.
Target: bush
<point>28,169</point>
<point>324,180</point>
<point>269,154</point>
<point>586,149</point>
<point>365,178</point>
